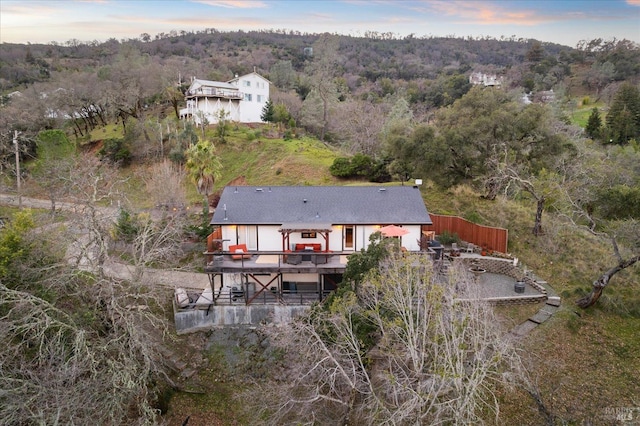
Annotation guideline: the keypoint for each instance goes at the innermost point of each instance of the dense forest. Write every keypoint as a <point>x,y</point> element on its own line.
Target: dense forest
<point>559,135</point>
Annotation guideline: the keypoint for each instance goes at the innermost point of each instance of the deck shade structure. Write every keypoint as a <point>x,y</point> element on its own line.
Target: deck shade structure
<point>288,228</point>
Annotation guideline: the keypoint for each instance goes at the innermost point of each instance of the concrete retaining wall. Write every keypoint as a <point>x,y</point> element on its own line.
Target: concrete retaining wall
<point>191,320</point>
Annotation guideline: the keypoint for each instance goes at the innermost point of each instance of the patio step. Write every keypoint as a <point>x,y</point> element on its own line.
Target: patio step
<point>553,301</point>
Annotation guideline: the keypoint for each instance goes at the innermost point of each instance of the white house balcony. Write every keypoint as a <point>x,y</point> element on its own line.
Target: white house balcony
<point>211,92</point>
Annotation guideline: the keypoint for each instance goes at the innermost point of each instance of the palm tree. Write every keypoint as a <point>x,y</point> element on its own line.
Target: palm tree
<point>203,168</point>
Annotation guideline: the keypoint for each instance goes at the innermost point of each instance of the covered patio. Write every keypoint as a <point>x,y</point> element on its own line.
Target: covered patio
<point>304,228</point>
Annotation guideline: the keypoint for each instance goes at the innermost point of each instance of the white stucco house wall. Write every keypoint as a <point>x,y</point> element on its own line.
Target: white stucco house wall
<point>242,98</point>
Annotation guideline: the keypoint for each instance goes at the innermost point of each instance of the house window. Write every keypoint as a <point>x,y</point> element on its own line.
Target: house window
<point>247,97</point>
<point>348,237</point>
<point>247,83</point>
<point>259,98</point>
<point>308,235</point>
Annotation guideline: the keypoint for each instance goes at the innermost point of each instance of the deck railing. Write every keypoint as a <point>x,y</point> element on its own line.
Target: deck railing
<point>245,295</point>
<point>219,93</point>
<point>272,258</point>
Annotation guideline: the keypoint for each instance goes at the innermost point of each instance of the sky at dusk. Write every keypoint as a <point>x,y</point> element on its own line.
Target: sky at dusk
<point>564,22</point>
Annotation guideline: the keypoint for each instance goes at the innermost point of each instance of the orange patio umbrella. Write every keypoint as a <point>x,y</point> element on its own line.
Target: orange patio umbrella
<point>393,231</point>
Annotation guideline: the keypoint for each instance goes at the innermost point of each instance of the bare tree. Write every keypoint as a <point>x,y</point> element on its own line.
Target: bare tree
<point>78,348</point>
<point>409,349</point>
<point>155,241</point>
<point>360,123</point>
<point>509,179</point>
<point>603,280</point>
<point>165,184</point>
<point>590,174</point>
<point>94,186</point>
<point>324,91</point>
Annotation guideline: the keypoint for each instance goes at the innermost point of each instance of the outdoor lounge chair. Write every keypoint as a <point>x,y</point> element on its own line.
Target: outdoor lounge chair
<point>239,252</point>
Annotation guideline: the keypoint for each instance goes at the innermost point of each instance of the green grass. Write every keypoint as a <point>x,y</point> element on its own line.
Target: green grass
<point>580,116</point>
<point>110,131</point>
<point>265,161</point>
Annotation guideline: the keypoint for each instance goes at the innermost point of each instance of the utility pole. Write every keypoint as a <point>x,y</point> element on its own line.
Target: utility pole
<point>15,145</point>
<point>161,141</point>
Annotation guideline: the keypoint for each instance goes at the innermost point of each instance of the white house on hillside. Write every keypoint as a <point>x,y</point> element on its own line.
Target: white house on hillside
<point>243,99</point>
<point>478,78</point>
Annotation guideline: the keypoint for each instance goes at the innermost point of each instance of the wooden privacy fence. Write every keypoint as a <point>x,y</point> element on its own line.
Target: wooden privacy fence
<point>484,236</point>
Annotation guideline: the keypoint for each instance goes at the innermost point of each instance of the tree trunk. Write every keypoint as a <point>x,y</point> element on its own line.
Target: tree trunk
<point>599,284</point>
<point>174,104</point>
<point>492,188</point>
<point>325,121</point>
<point>537,226</point>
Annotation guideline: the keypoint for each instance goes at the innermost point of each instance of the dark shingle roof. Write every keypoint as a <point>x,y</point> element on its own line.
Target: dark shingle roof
<point>321,204</point>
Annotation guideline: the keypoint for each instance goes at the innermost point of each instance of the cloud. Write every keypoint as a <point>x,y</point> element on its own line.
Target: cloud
<point>28,10</point>
<point>633,2</point>
<point>234,4</point>
<point>229,24</point>
<point>487,13</point>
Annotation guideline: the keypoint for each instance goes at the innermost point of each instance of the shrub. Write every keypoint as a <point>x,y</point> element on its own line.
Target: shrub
<point>447,237</point>
<point>341,168</point>
<point>201,229</point>
<point>127,227</point>
<point>176,155</point>
<point>117,151</point>
<point>360,166</point>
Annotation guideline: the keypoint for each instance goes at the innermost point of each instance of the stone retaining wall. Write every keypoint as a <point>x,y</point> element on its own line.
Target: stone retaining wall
<point>516,300</point>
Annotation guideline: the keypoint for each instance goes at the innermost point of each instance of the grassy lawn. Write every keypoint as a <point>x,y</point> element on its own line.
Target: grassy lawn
<point>580,115</point>
<point>110,131</point>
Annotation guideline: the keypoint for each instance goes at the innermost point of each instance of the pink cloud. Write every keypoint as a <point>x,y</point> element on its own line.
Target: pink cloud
<point>234,4</point>
<point>633,2</point>
<point>487,13</point>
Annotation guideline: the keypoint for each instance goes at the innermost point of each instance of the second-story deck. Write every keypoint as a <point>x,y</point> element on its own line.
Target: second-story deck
<point>277,262</point>
<point>214,92</point>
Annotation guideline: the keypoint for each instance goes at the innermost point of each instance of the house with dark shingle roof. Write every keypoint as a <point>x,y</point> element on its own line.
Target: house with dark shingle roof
<point>257,216</point>
<point>274,241</point>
